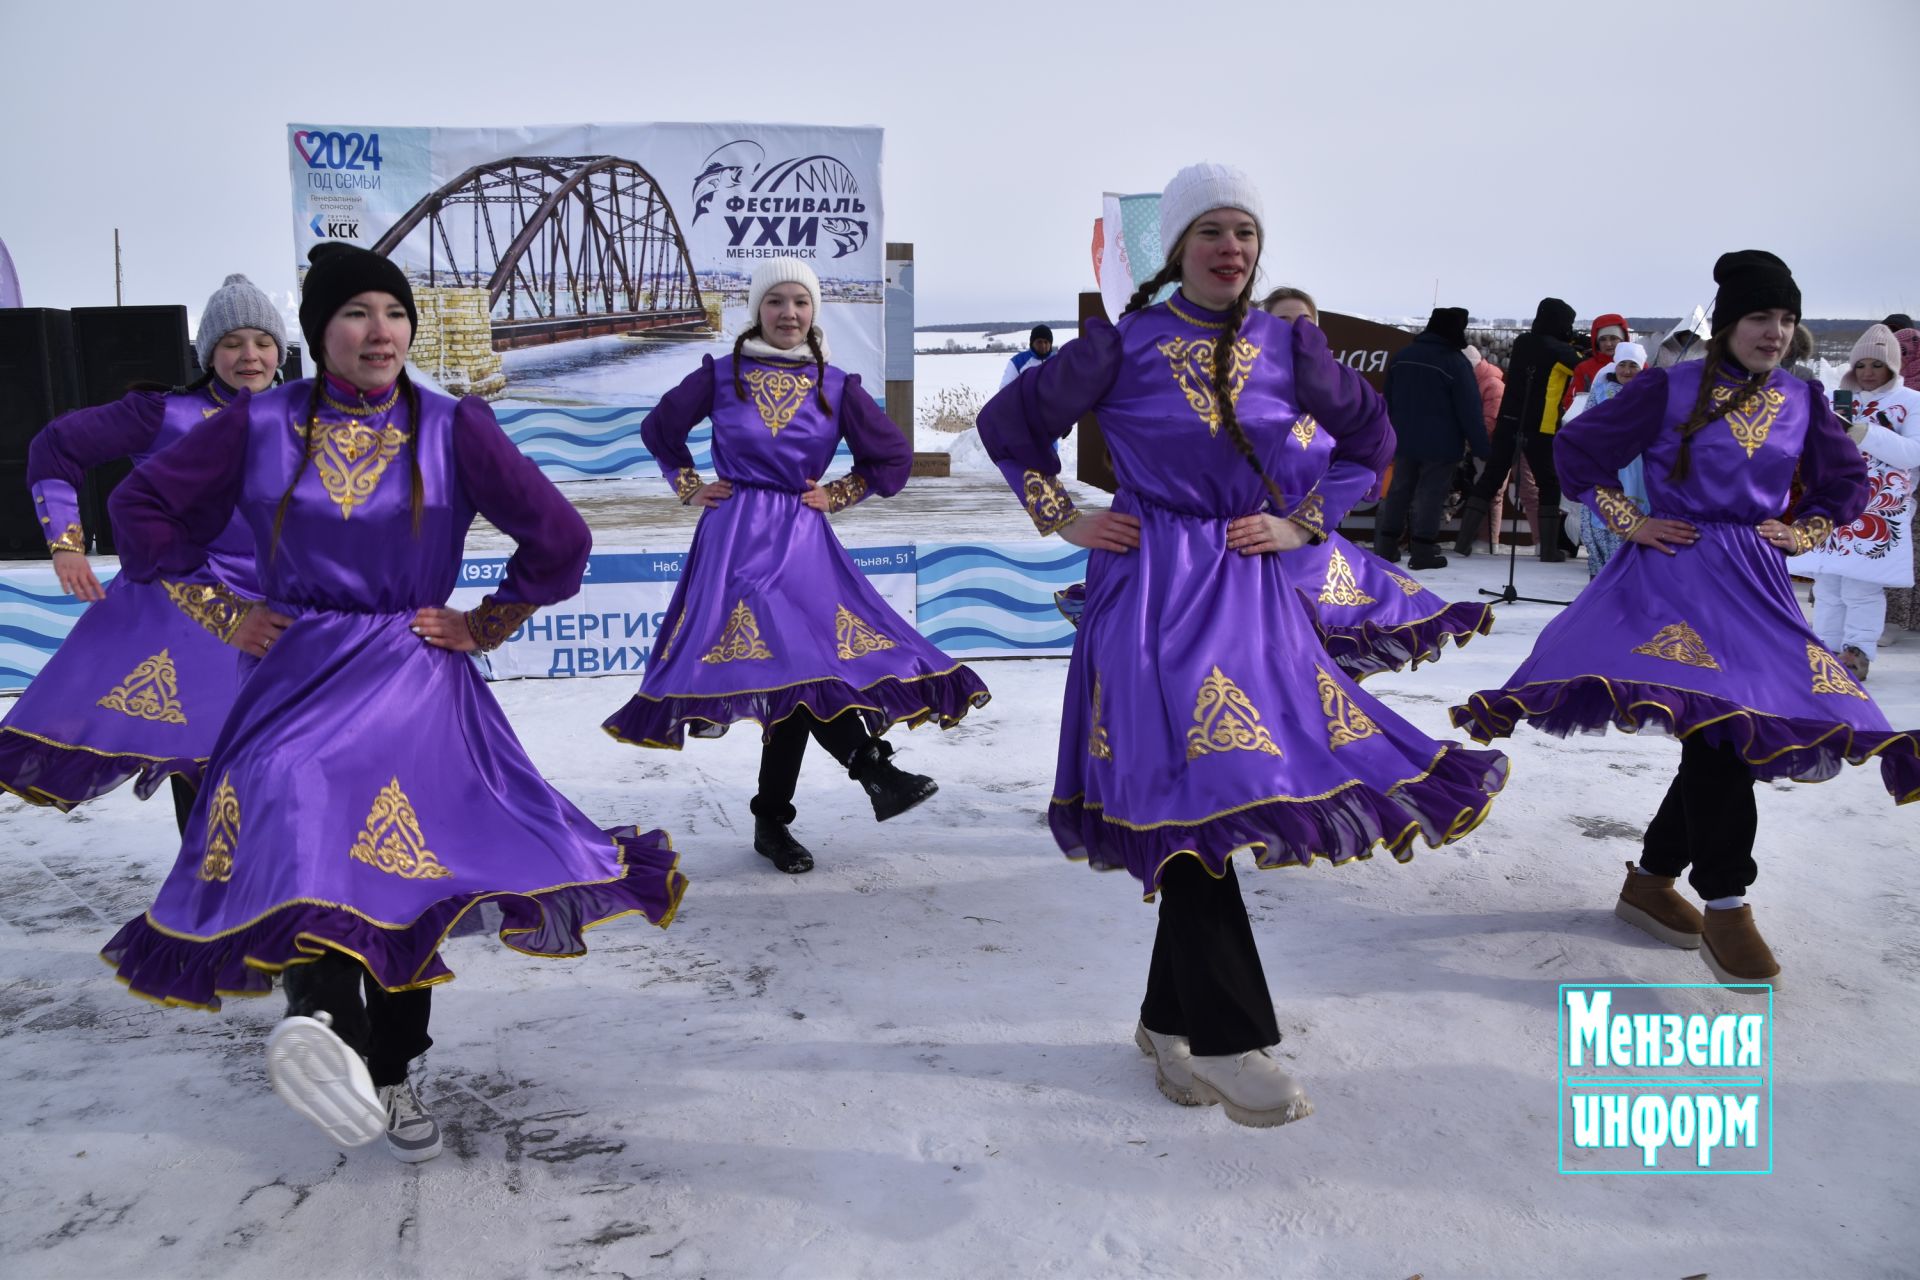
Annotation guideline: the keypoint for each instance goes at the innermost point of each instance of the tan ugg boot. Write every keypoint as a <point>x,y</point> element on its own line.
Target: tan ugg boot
<point>1652,905</point>
<point>1736,952</point>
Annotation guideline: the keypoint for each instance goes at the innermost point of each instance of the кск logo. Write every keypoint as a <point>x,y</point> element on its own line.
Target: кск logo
<point>335,228</point>
<point>782,209</point>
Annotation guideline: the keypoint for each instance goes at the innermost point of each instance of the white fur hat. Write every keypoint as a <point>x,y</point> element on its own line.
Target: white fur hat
<point>1201,188</point>
<point>1633,351</point>
<point>1877,343</point>
<point>781,271</point>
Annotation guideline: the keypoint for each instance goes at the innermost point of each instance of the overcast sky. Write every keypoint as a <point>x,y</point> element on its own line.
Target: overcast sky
<point>1605,153</point>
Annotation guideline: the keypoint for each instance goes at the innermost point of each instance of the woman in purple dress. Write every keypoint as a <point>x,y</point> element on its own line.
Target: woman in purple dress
<point>1693,629</point>
<point>366,794</point>
<point>1202,716</point>
<point>772,621</point>
<point>145,679</point>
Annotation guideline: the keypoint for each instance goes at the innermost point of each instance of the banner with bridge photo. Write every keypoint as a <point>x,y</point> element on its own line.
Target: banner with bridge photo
<point>572,274</point>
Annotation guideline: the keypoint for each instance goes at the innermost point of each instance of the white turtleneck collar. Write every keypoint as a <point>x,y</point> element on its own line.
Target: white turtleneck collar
<point>761,349</point>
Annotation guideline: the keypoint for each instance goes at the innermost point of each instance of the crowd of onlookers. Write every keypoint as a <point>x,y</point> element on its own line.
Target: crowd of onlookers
<point>1470,432</point>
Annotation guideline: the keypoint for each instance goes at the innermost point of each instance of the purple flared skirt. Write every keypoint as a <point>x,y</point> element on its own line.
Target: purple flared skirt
<point>771,616</point>
<point>367,796</point>
<point>1710,640</point>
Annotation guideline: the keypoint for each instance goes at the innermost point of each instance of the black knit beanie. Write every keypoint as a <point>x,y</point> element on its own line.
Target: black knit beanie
<point>1449,323</point>
<point>1751,280</point>
<point>1039,331</point>
<point>339,272</point>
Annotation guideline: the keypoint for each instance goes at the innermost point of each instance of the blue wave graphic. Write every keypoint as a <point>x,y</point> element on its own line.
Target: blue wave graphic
<point>611,413</point>
<point>949,600</point>
<point>9,593</point>
<point>958,640</point>
<point>949,560</point>
<point>30,638</point>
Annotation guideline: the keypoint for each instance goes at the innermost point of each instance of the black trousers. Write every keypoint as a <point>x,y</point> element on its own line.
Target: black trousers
<point>1205,981</point>
<point>1507,440</point>
<point>184,793</point>
<point>388,1028</point>
<point>1420,486</point>
<point>780,759</point>
<point>1707,821</point>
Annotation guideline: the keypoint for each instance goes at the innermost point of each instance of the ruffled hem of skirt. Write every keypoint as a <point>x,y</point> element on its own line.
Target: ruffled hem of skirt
<point>64,776</point>
<point>943,699</point>
<point>1439,807</point>
<point>168,968</point>
<point>1369,649</point>
<point>1801,749</point>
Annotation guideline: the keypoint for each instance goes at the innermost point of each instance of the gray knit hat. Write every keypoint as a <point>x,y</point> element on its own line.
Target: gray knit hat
<point>237,304</point>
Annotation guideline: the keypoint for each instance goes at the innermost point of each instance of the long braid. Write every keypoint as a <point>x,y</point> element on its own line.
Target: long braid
<point>819,363</point>
<point>1165,276</point>
<point>1223,392</point>
<point>417,499</point>
<point>1705,412</point>
<point>306,455</point>
<point>739,386</point>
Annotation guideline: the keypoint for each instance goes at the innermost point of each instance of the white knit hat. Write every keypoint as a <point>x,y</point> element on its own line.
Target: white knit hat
<point>237,304</point>
<point>781,271</point>
<point>1877,343</point>
<point>1202,188</point>
<point>1630,351</point>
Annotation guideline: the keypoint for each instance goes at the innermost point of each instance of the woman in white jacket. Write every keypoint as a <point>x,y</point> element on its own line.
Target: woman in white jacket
<point>1855,566</point>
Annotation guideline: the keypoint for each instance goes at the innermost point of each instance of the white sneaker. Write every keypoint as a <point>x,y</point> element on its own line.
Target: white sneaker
<point>1172,1063</point>
<point>413,1134</point>
<point>316,1074</point>
<point>1251,1086</point>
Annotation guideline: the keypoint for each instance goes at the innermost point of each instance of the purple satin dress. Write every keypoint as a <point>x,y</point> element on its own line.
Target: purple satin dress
<point>366,794</point>
<point>143,682</point>
<point>1203,714</point>
<point>1709,640</point>
<point>771,615</point>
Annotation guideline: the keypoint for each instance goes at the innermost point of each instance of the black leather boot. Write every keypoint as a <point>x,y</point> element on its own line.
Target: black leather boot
<point>1387,549</point>
<point>1551,552</point>
<point>1426,555</point>
<point>1472,515</point>
<point>772,841</point>
<point>892,790</point>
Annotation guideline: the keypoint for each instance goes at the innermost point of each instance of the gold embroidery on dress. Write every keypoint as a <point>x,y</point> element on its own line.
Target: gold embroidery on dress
<point>361,410</point>
<point>74,539</point>
<point>1679,643</point>
<point>1752,426</point>
<point>223,832</point>
<point>1098,745</point>
<point>1345,722</point>
<point>1174,306</point>
<point>491,621</point>
<point>1340,587</point>
<point>1829,676</point>
<point>777,394</point>
<point>352,456</point>
<point>673,636</point>
<point>392,841</point>
<point>150,692</point>
<point>1810,532</point>
<point>845,491</point>
<point>1047,502</point>
<point>1224,719</point>
<point>1620,512</point>
<point>1311,514</point>
<point>1304,429</point>
<point>1408,586</point>
<point>211,605</point>
<point>1191,360</point>
<point>740,640</point>
<point>686,483</point>
<point>854,638</point>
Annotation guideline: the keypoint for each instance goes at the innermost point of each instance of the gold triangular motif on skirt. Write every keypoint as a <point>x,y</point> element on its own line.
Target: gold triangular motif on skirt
<point>1408,587</point>
<point>854,638</point>
<point>1098,745</point>
<point>223,832</point>
<point>151,691</point>
<point>1679,643</point>
<point>1829,676</point>
<point>1340,587</point>
<point>1345,722</point>
<point>393,842</point>
<point>1224,719</point>
<point>740,640</point>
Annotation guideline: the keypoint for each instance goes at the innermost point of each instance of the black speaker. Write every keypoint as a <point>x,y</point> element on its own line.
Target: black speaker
<point>116,347</point>
<point>37,385</point>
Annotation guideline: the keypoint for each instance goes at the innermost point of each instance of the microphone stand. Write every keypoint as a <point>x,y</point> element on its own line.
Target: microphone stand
<point>1510,595</point>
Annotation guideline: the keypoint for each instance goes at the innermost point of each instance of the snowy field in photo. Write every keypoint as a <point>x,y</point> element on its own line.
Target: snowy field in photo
<point>917,1060</point>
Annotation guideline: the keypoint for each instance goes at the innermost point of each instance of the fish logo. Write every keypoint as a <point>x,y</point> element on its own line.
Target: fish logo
<point>848,236</point>
<point>728,167</point>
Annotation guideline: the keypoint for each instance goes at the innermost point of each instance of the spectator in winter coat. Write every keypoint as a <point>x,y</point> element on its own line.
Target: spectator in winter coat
<point>1434,404</point>
<point>1897,321</point>
<point>1903,603</point>
<point>1493,385</point>
<point>1601,542</point>
<point>1039,347</point>
<point>1800,362</point>
<point>1609,331</point>
<point>1537,377</point>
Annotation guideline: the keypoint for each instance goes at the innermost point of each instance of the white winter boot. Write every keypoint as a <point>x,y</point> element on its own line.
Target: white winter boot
<point>1173,1065</point>
<point>413,1134</point>
<point>316,1074</point>
<point>1251,1086</point>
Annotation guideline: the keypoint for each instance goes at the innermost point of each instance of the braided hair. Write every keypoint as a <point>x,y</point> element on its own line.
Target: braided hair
<point>813,345</point>
<point>1705,412</point>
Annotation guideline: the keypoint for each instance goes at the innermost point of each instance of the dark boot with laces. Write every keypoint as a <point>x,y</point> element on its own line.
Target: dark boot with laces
<point>892,790</point>
<point>772,840</point>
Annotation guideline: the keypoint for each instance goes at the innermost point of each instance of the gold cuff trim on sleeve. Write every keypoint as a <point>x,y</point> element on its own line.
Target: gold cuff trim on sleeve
<point>1810,532</point>
<point>686,483</point>
<point>1311,515</point>
<point>845,491</point>
<point>1620,512</point>
<point>491,621</point>
<point>213,606</point>
<point>74,539</point>
<point>1047,502</point>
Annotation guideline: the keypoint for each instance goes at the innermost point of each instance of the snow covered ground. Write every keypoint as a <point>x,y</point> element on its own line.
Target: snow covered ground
<point>917,1060</point>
